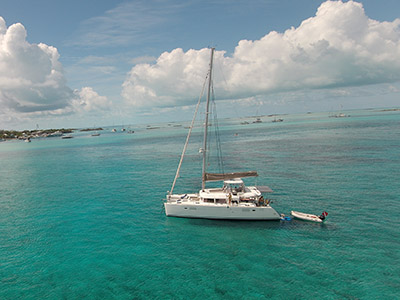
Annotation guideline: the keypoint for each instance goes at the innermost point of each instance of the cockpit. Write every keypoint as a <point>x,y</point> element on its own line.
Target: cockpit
<point>234,186</point>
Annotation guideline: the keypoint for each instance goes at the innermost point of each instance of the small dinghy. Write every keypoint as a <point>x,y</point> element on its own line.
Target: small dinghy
<point>309,217</point>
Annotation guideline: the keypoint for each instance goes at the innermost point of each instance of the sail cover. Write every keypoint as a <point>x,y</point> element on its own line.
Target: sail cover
<point>226,176</point>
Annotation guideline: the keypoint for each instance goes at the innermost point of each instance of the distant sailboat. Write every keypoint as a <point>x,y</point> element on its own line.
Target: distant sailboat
<point>233,201</point>
<point>340,114</point>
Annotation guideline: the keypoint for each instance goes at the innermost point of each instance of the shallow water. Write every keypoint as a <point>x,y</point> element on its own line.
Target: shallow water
<point>83,218</point>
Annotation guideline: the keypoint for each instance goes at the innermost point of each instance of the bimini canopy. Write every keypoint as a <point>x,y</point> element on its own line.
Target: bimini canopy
<point>236,181</point>
<point>227,176</point>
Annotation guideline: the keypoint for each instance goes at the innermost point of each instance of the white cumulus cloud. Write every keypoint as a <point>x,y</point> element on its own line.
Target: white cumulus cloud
<point>32,79</point>
<point>88,100</point>
<point>338,47</point>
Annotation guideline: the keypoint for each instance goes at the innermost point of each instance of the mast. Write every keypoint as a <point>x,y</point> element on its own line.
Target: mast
<point>203,177</point>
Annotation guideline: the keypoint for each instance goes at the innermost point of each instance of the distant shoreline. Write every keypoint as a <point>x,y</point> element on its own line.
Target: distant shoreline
<point>25,134</point>
<point>390,109</point>
<point>31,134</point>
<point>42,133</point>
<point>91,129</point>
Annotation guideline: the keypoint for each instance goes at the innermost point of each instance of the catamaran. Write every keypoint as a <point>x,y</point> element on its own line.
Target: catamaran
<point>233,201</point>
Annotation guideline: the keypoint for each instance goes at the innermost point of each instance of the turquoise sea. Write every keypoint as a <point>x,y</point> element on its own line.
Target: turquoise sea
<point>83,218</point>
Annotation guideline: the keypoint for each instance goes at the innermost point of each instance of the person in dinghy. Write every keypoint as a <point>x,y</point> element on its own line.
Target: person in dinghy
<point>323,215</point>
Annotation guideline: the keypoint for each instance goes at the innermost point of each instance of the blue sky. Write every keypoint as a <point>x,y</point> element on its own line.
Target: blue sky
<point>79,63</point>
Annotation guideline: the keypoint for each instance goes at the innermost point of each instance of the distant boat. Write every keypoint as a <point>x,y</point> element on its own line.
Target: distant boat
<point>258,120</point>
<point>114,130</point>
<point>233,201</point>
<point>95,134</point>
<point>67,137</point>
<point>277,120</point>
<point>340,115</point>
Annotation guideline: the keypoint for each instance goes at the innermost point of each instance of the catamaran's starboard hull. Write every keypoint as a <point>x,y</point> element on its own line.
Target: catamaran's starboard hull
<point>221,212</point>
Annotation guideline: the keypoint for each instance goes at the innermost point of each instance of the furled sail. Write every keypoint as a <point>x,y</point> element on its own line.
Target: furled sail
<point>227,176</point>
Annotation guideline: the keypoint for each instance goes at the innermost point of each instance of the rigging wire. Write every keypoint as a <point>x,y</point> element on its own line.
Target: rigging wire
<point>213,112</point>
<point>217,134</point>
<point>188,136</point>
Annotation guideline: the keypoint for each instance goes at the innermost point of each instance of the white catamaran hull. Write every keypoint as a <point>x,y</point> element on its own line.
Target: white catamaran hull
<point>222,211</point>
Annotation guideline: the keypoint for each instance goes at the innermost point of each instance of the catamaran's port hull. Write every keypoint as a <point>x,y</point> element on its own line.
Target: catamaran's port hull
<point>221,212</point>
